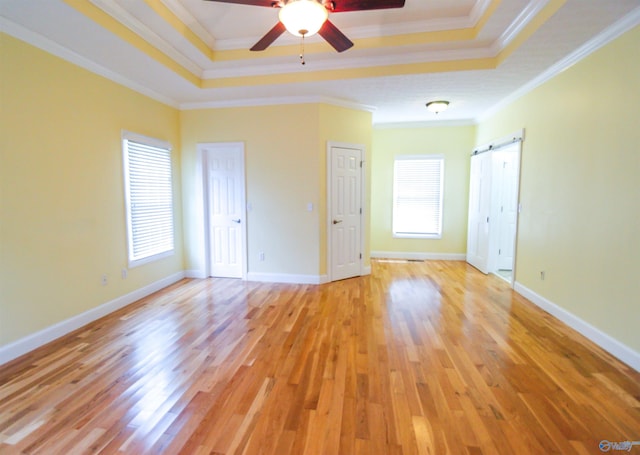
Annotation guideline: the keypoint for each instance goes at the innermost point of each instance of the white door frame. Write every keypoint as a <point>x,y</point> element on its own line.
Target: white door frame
<point>478,227</point>
<point>361,149</point>
<point>515,139</point>
<point>203,149</point>
<point>515,151</point>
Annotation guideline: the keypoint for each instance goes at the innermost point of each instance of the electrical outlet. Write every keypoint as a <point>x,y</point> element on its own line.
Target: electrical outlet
<point>124,274</point>
<point>261,255</point>
<point>542,274</point>
<point>105,281</point>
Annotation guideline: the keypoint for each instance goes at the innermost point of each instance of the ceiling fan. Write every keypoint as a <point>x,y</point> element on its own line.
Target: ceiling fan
<point>307,17</point>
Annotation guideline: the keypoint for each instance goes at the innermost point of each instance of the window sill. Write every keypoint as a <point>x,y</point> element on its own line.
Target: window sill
<point>416,236</point>
<point>146,260</point>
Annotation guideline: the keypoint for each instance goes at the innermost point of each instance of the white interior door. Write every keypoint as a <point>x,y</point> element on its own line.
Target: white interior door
<point>345,212</point>
<point>507,166</point>
<point>225,204</point>
<point>479,212</point>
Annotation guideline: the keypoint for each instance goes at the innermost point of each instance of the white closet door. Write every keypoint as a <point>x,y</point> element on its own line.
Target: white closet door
<point>479,212</point>
<point>346,212</point>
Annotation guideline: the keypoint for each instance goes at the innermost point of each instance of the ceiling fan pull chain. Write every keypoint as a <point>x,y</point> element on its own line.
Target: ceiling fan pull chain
<point>302,51</point>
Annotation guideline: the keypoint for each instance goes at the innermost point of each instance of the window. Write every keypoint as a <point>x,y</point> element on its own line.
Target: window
<point>417,196</point>
<point>149,199</point>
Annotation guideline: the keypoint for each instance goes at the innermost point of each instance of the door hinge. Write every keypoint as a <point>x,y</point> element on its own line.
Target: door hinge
<point>361,163</point>
<point>360,255</point>
<point>360,210</point>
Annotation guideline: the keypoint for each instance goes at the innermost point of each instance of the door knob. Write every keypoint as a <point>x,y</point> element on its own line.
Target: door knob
<point>337,221</point>
<point>236,221</point>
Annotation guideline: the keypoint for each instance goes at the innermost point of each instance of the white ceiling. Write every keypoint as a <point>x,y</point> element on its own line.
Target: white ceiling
<point>392,69</point>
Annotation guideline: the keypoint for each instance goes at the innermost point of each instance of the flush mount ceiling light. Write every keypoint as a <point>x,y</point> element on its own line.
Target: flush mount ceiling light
<point>303,17</point>
<point>437,106</point>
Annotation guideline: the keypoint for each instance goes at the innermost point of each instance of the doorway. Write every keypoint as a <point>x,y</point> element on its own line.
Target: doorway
<point>345,170</point>
<point>493,208</point>
<point>224,209</point>
<point>506,165</point>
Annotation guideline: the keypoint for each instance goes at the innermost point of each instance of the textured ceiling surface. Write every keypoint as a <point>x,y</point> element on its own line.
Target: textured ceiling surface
<point>193,53</point>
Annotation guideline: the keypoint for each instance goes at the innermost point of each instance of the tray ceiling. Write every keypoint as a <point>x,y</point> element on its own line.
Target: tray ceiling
<point>194,53</point>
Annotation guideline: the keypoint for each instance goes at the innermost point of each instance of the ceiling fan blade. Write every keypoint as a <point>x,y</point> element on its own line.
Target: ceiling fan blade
<point>340,6</point>
<point>269,3</point>
<point>269,38</point>
<point>334,36</point>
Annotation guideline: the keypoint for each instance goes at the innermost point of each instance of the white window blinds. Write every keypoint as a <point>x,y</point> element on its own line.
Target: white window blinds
<point>149,200</point>
<point>417,196</point>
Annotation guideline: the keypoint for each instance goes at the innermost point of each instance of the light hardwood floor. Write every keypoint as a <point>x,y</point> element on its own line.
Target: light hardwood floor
<point>418,358</point>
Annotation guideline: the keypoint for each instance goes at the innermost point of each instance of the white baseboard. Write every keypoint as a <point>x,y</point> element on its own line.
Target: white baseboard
<point>606,342</point>
<point>419,256</point>
<point>195,274</point>
<point>287,278</point>
<point>29,343</point>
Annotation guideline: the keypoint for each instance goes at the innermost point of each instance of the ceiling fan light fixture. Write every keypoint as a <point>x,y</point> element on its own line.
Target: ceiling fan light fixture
<point>437,106</point>
<point>303,17</point>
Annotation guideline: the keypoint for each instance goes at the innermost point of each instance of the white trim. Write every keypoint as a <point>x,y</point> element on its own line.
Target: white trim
<point>127,152</point>
<point>418,256</point>
<point>397,181</point>
<point>609,34</point>
<point>605,341</point>
<point>363,155</point>
<point>373,31</point>
<point>147,34</point>
<point>224,70</point>
<point>45,44</point>
<point>35,340</point>
<point>203,148</point>
<point>147,140</point>
<point>187,18</point>
<point>197,274</point>
<point>423,124</point>
<point>276,101</point>
<point>287,278</point>
<point>530,11</point>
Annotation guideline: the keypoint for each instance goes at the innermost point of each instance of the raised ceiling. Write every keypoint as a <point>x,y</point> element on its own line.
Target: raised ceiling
<point>194,53</point>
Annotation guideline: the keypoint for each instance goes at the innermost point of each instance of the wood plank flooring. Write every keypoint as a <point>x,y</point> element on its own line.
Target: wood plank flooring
<point>418,358</point>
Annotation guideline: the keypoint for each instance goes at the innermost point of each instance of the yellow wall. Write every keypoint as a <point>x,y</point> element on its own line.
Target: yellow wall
<point>580,188</point>
<point>62,203</point>
<point>61,186</point>
<point>455,143</point>
<point>339,124</point>
<point>281,161</point>
<point>285,160</point>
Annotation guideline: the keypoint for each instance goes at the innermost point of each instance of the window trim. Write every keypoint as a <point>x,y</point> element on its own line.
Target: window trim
<point>418,235</point>
<point>127,136</point>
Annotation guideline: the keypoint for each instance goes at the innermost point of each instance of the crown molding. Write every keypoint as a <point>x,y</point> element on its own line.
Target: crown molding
<point>387,59</point>
<point>529,12</point>
<point>47,45</point>
<point>478,10</point>
<point>363,32</point>
<point>190,21</point>
<point>423,124</point>
<point>276,101</point>
<point>143,31</point>
<point>620,27</point>
<point>429,25</point>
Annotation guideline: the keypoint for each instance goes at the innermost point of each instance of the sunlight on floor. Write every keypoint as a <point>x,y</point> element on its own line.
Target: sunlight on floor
<point>505,274</point>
